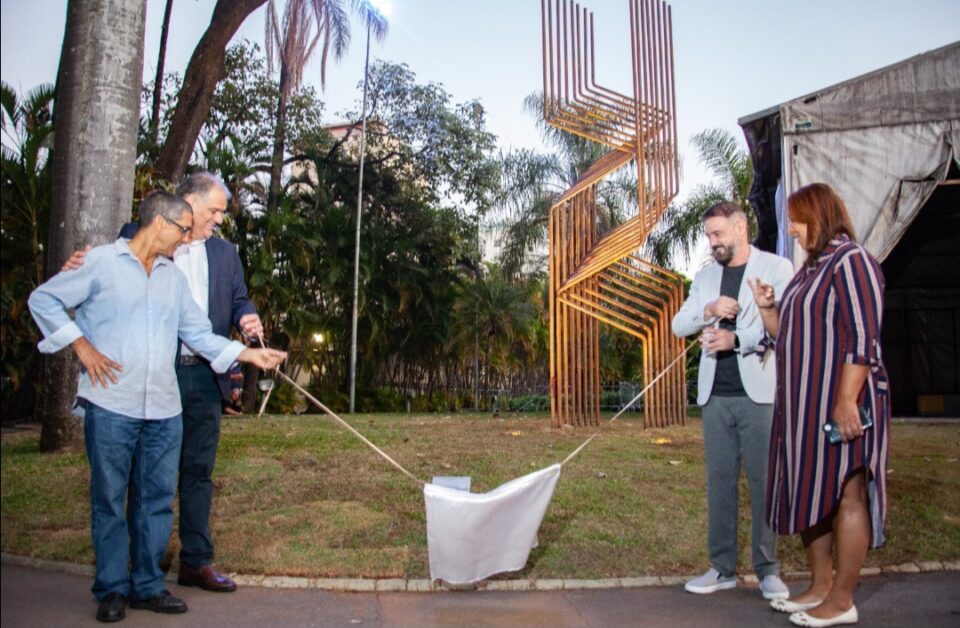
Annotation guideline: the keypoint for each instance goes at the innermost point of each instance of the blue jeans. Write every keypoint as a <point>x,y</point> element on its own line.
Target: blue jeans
<point>116,445</point>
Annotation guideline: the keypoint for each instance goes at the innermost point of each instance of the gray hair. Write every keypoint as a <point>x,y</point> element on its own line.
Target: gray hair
<point>725,209</point>
<point>161,203</point>
<point>199,184</point>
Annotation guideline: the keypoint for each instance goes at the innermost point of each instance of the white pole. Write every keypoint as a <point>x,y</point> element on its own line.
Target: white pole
<point>356,252</point>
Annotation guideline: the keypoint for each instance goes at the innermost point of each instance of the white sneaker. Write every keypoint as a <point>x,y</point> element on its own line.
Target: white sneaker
<point>773,588</point>
<point>709,582</point>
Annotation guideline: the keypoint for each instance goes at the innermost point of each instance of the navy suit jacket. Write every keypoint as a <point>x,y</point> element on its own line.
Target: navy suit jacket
<point>228,299</point>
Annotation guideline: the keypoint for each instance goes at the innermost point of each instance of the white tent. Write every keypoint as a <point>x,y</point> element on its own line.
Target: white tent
<point>889,143</point>
<point>884,141</point>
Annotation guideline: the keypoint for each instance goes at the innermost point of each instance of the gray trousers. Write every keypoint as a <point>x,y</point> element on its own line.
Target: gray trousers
<point>736,428</point>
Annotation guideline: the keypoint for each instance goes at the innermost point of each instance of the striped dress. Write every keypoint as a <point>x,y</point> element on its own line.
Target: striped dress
<point>829,316</point>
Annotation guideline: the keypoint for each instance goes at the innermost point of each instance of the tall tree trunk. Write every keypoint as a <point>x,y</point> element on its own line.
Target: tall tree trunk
<point>92,163</point>
<point>279,135</point>
<point>158,81</point>
<point>205,70</point>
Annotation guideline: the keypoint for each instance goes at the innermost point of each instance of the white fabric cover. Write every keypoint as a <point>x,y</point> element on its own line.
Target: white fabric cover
<point>471,536</point>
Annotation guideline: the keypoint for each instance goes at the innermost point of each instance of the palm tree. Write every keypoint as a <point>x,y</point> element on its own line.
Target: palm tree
<point>528,192</point>
<point>95,149</point>
<point>531,183</point>
<point>290,44</point>
<point>501,312</point>
<point>728,161</point>
<point>25,195</point>
<point>28,129</point>
<point>681,228</point>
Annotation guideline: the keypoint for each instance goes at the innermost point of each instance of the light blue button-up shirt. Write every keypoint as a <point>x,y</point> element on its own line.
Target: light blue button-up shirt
<point>135,320</point>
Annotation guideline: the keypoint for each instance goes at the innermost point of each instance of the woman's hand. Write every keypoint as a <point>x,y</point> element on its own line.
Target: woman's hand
<point>762,293</point>
<point>846,415</point>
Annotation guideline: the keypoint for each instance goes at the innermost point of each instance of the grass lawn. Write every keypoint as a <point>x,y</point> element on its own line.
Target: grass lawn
<point>301,496</point>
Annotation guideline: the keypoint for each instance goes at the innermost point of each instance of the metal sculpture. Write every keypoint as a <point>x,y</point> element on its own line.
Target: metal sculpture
<point>597,277</point>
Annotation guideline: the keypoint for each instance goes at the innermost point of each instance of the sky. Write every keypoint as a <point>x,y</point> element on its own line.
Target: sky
<point>732,57</point>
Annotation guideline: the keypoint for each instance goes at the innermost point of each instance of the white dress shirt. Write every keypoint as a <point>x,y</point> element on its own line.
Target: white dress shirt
<point>191,259</point>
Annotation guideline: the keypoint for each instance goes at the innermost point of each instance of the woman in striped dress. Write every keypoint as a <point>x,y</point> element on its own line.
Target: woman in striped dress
<point>829,366</point>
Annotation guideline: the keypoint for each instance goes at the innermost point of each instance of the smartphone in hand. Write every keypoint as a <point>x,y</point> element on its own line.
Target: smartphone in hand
<point>833,434</point>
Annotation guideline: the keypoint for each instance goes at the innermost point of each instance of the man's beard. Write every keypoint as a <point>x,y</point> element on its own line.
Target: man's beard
<point>723,254</point>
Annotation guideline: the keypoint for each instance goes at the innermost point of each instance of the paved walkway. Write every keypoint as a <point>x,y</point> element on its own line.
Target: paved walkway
<point>32,596</point>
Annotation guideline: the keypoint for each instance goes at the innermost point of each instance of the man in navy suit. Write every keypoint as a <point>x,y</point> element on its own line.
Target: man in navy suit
<point>215,276</point>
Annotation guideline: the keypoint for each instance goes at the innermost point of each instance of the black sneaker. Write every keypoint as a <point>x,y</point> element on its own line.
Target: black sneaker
<point>112,608</point>
<point>163,602</point>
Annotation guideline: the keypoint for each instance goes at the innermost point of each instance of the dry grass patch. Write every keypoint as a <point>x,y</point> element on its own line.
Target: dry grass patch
<point>300,496</point>
<point>316,539</point>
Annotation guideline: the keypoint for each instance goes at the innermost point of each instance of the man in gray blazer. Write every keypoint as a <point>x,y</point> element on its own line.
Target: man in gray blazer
<point>735,389</point>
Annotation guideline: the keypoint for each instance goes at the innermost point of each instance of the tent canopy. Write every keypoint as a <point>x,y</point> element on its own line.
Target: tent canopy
<point>889,143</point>
<point>883,140</point>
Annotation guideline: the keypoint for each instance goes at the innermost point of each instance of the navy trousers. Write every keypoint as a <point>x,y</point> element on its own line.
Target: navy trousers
<point>201,434</point>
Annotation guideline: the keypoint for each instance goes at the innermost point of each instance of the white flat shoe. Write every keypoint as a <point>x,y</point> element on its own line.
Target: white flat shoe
<point>786,606</point>
<point>802,619</point>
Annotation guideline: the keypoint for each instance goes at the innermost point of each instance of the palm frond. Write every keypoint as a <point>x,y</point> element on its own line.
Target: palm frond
<point>8,98</point>
<point>374,19</point>
<point>727,159</point>
<point>273,39</point>
<point>681,227</point>
<point>336,26</point>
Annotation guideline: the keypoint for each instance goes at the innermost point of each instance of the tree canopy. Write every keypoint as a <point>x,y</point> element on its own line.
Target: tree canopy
<point>437,323</point>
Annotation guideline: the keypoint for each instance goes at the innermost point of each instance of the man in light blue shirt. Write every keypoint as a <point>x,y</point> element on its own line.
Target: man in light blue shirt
<point>131,306</point>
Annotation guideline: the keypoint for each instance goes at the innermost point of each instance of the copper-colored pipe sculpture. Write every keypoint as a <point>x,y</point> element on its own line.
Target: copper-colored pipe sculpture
<point>597,278</point>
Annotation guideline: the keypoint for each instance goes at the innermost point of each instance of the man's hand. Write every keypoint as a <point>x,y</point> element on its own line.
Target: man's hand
<point>76,259</point>
<point>722,307</point>
<point>99,367</point>
<point>266,359</point>
<point>251,327</point>
<point>714,340</point>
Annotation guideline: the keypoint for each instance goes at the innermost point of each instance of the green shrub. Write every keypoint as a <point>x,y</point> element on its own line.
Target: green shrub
<point>529,403</point>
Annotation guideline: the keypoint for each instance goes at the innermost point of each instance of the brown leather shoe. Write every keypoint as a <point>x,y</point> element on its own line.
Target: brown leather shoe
<point>206,578</point>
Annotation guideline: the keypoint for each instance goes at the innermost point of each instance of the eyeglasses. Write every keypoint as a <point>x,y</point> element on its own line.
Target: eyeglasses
<point>183,230</point>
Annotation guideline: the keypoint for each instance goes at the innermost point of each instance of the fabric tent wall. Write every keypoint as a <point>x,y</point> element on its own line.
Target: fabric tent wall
<point>883,141</point>
<point>886,141</point>
<point>765,142</point>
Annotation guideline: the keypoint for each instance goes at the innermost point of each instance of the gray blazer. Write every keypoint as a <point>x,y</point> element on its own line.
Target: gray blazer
<point>758,376</point>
